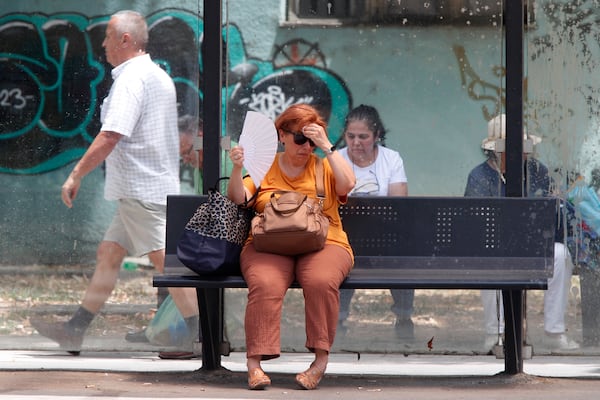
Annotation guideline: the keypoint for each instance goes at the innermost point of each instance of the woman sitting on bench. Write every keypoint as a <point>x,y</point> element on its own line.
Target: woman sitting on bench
<point>320,273</point>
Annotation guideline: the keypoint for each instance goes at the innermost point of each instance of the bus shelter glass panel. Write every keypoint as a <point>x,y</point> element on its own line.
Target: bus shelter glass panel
<point>54,78</point>
<point>563,113</point>
<point>435,72</point>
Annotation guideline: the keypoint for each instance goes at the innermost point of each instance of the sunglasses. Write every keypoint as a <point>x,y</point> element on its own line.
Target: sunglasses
<point>300,139</point>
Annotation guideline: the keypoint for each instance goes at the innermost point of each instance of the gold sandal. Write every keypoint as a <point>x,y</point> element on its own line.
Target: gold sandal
<point>310,378</point>
<point>257,379</point>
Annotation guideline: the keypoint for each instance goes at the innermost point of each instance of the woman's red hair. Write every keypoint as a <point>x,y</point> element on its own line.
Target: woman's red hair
<point>297,116</point>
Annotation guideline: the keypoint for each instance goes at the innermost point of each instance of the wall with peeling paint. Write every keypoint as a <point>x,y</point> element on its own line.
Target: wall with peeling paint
<point>434,86</point>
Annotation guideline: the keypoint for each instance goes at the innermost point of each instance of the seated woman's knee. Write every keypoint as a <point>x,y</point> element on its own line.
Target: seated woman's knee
<point>319,282</point>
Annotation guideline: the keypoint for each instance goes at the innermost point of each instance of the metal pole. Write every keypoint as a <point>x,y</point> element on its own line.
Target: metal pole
<point>514,23</point>
<point>514,300</point>
<point>212,61</point>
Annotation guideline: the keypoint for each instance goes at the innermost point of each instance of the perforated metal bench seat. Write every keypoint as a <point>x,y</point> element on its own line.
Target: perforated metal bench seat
<point>407,242</point>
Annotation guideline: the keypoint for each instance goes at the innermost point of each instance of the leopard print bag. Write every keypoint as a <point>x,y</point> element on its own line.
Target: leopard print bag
<point>213,238</point>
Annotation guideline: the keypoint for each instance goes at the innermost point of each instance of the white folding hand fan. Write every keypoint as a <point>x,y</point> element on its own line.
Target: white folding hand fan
<point>259,140</point>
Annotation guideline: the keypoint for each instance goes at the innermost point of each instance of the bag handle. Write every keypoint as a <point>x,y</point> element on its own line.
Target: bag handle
<point>216,188</point>
<point>246,202</point>
<point>292,201</point>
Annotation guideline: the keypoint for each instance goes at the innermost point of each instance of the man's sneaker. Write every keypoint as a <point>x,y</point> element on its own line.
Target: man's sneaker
<point>137,336</point>
<point>405,329</point>
<point>178,355</point>
<point>68,340</point>
<point>560,341</point>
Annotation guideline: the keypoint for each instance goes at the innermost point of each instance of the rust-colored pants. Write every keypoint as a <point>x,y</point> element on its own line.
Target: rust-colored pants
<point>269,276</point>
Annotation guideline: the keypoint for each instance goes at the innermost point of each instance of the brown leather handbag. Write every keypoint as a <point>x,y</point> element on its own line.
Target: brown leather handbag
<point>292,223</point>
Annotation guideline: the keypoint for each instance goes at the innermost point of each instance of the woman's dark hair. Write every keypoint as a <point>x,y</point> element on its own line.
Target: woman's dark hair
<point>369,116</point>
<point>190,124</point>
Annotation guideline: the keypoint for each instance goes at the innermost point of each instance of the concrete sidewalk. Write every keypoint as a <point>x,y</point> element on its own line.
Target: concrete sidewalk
<point>340,364</point>
<point>54,375</point>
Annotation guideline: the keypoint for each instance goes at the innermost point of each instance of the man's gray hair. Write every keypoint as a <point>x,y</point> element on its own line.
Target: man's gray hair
<point>133,23</point>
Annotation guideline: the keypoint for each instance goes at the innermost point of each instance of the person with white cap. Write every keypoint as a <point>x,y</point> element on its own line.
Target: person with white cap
<point>487,180</point>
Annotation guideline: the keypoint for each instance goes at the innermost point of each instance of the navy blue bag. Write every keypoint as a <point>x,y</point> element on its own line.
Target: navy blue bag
<point>213,238</point>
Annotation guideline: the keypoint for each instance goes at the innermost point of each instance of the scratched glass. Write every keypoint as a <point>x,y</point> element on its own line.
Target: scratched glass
<point>435,70</point>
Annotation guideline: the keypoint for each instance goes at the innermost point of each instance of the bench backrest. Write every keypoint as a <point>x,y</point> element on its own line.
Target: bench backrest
<point>487,235</point>
<point>180,209</point>
<point>493,236</point>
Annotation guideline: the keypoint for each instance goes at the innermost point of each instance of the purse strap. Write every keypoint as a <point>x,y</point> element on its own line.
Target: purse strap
<point>320,184</point>
<point>320,180</point>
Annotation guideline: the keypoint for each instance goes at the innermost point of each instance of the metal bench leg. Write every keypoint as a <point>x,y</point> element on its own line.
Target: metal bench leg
<point>513,331</point>
<point>210,303</point>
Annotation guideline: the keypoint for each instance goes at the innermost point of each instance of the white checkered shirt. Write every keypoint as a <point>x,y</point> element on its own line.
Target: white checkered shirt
<point>142,106</point>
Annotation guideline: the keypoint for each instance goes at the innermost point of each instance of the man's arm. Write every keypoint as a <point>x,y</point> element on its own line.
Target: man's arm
<point>478,185</point>
<point>100,148</point>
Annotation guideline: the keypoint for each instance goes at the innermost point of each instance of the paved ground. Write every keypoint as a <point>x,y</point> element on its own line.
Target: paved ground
<point>31,367</point>
<point>49,375</point>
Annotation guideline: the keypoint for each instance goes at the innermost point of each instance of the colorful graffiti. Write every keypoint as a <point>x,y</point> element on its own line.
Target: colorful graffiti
<point>571,24</point>
<point>492,95</point>
<point>54,75</point>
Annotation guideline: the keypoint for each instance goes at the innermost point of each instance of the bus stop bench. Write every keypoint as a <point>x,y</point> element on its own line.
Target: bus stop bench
<point>406,243</point>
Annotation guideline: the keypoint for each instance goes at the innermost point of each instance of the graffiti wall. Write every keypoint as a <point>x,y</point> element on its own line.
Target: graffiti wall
<point>435,87</point>
<point>54,75</point>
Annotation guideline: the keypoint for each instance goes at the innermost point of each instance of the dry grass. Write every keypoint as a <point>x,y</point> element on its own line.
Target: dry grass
<point>58,290</point>
<point>454,317</point>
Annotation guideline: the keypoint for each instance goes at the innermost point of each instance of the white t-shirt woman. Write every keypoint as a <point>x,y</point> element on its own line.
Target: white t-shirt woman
<point>381,177</point>
<point>379,171</point>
